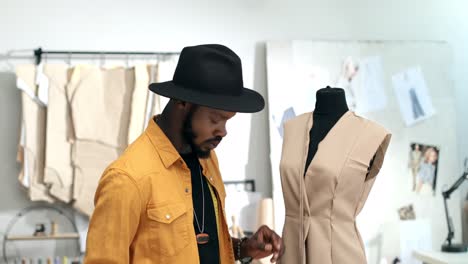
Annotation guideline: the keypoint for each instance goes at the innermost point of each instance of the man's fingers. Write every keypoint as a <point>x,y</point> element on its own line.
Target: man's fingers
<point>273,238</point>
<point>277,241</point>
<point>274,258</point>
<point>264,246</point>
<point>268,241</point>
<point>259,236</point>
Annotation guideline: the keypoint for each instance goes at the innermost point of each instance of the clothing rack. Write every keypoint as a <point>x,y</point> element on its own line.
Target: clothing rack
<point>39,52</point>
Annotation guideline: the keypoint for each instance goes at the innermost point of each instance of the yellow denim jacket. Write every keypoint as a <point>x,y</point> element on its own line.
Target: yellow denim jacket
<point>143,207</point>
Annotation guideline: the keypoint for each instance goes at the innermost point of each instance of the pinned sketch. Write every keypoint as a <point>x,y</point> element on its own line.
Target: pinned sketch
<point>348,81</point>
<point>363,83</point>
<point>413,96</point>
<point>423,165</point>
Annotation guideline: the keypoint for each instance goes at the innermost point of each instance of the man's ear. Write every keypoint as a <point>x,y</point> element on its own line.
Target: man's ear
<point>182,105</point>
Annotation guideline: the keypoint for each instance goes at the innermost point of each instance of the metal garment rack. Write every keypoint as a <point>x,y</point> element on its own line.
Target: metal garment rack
<point>38,53</point>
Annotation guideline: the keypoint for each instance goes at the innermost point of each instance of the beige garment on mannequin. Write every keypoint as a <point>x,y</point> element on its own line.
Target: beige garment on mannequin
<point>32,146</point>
<point>58,167</point>
<point>335,188</point>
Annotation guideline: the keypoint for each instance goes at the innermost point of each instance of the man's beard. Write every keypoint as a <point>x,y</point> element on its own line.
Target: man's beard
<point>190,136</point>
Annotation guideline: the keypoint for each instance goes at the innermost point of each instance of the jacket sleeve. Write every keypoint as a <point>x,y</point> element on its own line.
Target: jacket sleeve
<point>115,219</point>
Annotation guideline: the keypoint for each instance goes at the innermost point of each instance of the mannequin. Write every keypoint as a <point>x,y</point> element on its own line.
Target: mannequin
<point>329,162</point>
<point>330,105</point>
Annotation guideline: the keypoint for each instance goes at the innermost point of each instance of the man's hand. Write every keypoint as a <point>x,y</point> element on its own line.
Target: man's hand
<point>262,244</point>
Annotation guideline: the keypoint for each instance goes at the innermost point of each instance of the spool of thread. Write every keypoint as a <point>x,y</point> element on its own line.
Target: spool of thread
<point>265,213</point>
<point>53,228</point>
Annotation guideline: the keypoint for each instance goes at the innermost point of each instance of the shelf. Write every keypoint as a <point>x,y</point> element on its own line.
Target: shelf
<point>47,237</point>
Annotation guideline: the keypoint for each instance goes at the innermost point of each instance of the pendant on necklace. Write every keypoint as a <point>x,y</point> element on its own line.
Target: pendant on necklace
<point>203,238</point>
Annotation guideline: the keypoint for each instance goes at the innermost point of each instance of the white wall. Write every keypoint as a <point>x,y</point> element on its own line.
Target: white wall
<point>243,25</point>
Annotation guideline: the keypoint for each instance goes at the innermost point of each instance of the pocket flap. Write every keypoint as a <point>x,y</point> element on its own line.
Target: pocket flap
<point>166,214</point>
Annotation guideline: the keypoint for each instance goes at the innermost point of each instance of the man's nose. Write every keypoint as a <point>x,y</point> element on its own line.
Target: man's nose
<point>221,131</point>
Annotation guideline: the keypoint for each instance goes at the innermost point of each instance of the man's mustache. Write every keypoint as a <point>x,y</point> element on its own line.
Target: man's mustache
<point>215,140</point>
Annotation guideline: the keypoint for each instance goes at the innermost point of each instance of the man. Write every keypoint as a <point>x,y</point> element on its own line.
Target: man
<point>162,201</point>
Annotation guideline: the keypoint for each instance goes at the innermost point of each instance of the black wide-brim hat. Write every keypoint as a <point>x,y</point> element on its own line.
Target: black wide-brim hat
<point>210,75</point>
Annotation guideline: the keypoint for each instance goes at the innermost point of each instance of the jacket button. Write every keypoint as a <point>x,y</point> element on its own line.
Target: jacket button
<point>211,178</point>
<point>168,216</point>
<point>186,190</point>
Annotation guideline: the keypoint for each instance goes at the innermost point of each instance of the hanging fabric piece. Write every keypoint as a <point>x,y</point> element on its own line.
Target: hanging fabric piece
<point>58,168</point>
<point>100,101</point>
<point>76,121</point>
<point>89,160</point>
<point>152,99</point>
<point>42,84</point>
<point>139,102</point>
<point>32,146</point>
<point>165,73</point>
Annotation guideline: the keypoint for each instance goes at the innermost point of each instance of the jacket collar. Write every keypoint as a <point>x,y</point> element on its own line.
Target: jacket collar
<point>168,153</point>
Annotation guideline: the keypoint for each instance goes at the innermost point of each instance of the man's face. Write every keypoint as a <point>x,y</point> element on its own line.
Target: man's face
<point>204,128</point>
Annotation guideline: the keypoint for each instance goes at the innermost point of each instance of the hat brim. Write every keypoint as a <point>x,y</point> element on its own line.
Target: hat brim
<point>249,101</point>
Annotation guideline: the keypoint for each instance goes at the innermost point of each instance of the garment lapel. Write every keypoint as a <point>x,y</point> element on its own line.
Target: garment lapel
<point>327,145</point>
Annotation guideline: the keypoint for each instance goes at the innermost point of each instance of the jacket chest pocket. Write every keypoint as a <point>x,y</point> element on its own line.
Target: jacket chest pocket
<point>169,228</point>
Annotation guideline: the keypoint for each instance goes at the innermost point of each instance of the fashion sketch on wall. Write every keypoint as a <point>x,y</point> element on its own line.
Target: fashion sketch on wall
<point>413,96</point>
<point>423,165</point>
<point>362,80</point>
